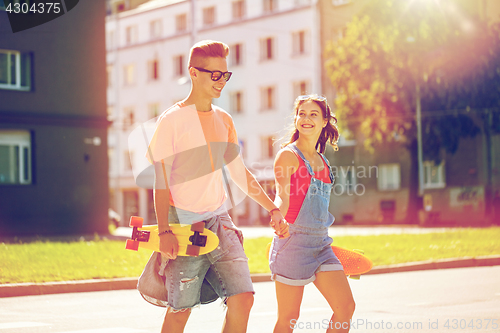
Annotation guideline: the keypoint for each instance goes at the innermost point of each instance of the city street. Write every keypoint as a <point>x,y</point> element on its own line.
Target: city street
<point>451,300</point>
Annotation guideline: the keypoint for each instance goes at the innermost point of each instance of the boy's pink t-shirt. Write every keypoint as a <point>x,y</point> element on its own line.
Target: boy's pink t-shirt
<point>194,146</point>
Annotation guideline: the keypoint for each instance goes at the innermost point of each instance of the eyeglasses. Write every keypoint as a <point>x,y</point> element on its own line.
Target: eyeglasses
<point>316,98</point>
<point>216,75</point>
<point>313,97</point>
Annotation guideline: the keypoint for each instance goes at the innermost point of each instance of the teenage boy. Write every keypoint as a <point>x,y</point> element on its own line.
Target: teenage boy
<point>192,143</point>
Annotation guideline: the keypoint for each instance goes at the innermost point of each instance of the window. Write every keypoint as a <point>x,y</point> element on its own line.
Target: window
<point>267,48</point>
<point>120,6</point>
<point>208,16</point>
<point>15,70</point>
<point>346,178</point>
<point>130,203</point>
<point>238,9</point>
<point>154,110</point>
<point>109,76</point>
<point>236,54</point>
<point>110,40</point>
<point>270,6</point>
<point>299,42</point>
<point>112,160</point>
<point>300,88</point>
<point>389,177</point>
<point>131,35</point>
<point>179,65</point>
<point>267,98</point>
<point>129,117</point>
<point>340,2</point>
<point>111,113</point>
<point>15,157</point>
<point>155,29</point>
<point>268,147</point>
<point>181,23</point>
<point>237,102</point>
<point>128,157</point>
<point>434,175</point>
<point>153,70</point>
<point>339,33</point>
<point>129,75</point>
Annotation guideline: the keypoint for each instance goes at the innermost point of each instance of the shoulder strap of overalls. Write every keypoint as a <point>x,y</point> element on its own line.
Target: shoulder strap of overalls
<point>332,177</point>
<point>297,151</point>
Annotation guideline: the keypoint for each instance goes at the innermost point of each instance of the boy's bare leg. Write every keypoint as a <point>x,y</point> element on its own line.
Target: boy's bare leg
<point>175,321</point>
<point>238,311</point>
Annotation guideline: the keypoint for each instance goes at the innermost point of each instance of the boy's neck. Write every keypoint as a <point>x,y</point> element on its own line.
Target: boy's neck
<point>201,104</point>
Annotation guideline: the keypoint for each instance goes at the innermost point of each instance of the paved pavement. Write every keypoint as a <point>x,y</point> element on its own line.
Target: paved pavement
<point>450,300</point>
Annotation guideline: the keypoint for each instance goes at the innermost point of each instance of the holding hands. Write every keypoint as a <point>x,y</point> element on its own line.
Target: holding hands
<point>278,223</point>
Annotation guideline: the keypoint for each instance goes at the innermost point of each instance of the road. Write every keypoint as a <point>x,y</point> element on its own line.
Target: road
<point>421,301</point>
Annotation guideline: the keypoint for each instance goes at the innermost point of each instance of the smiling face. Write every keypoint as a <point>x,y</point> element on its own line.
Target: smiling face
<point>202,81</point>
<point>309,119</point>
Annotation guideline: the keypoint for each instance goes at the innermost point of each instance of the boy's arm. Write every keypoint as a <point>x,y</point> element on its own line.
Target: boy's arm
<point>168,243</point>
<point>246,181</point>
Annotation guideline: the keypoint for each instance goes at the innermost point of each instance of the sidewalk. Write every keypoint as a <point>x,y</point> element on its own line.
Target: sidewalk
<point>28,289</point>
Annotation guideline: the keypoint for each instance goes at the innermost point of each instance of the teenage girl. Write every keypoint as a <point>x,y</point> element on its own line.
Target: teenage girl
<point>304,183</point>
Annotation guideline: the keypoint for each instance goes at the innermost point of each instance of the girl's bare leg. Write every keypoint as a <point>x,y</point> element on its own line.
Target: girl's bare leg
<point>337,292</point>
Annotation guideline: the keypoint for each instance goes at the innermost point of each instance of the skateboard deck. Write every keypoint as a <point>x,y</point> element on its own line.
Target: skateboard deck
<point>354,262</point>
<point>194,239</point>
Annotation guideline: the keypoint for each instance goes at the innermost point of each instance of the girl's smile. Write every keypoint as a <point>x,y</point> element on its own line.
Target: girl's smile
<point>309,118</point>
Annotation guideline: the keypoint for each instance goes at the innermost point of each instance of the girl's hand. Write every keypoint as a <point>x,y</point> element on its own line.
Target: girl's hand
<point>279,224</point>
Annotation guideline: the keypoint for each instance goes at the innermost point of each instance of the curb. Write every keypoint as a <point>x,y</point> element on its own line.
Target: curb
<point>31,289</point>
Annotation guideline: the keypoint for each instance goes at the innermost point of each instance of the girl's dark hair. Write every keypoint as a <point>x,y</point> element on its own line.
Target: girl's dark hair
<point>330,132</point>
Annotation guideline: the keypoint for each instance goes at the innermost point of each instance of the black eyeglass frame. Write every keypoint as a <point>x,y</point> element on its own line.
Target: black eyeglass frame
<point>218,74</point>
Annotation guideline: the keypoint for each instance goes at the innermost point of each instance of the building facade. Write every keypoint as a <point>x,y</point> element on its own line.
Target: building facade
<point>53,126</point>
<point>374,187</point>
<point>276,53</point>
<point>274,56</point>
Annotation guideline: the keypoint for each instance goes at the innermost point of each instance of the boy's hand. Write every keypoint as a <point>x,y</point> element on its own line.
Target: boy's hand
<point>169,246</point>
<point>279,224</point>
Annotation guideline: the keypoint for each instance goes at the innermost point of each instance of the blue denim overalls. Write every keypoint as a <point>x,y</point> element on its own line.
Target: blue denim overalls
<point>296,260</point>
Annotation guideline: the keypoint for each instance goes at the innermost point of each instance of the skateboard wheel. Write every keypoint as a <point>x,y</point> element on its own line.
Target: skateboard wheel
<point>132,245</point>
<point>136,221</point>
<point>355,277</point>
<point>192,250</point>
<point>198,226</point>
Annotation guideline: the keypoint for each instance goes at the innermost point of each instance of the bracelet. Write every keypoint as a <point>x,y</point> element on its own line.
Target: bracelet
<point>169,231</point>
<point>272,210</point>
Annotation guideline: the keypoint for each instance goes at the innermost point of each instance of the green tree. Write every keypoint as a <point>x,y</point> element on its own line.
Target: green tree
<point>397,55</point>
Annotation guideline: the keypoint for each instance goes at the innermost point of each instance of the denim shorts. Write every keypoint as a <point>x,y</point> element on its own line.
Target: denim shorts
<point>295,260</point>
<point>225,269</point>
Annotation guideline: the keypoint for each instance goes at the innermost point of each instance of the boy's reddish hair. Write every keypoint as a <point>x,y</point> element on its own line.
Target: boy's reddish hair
<point>205,49</point>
